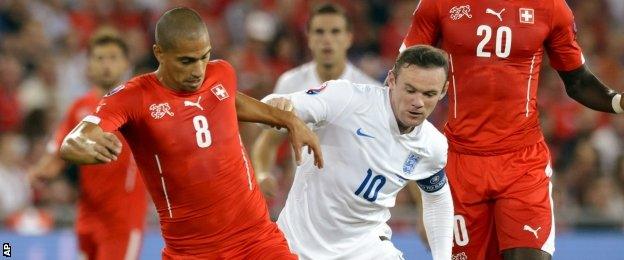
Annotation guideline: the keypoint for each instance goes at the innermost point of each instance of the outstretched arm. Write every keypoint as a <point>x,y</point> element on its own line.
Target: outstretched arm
<point>263,154</point>
<point>89,144</point>
<point>252,110</point>
<point>583,86</point>
<point>48,167</point>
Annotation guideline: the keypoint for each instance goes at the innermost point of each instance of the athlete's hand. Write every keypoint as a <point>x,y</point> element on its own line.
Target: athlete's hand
<point>88,144</point>
<point>300,135</point>
<point>281,104</point>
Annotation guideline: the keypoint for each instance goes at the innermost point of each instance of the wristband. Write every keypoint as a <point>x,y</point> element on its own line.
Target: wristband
<point>615,103</point>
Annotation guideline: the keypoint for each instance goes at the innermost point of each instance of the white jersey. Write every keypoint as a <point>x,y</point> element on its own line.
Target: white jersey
<point>305,77</point>
<point>340,211</point>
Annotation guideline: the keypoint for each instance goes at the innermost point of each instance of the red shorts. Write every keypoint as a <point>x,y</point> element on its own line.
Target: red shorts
<point>501,202</point>
<point>110,245</point>
<point>268,244</point>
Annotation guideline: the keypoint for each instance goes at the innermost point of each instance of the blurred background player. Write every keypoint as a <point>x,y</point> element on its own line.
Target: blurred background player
<point>112,200</point>
<point>499,165</point>
<point>376,140</point>
<point>181,123</point>
<point>329,38</point>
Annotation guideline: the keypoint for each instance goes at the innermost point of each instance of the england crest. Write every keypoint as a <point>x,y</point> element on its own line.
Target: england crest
<point>410,163</point>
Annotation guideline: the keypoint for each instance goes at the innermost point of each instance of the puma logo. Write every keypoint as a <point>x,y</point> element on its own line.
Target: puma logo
<point>194,104</point>
<point>530,229</point>
<point>497,14</point>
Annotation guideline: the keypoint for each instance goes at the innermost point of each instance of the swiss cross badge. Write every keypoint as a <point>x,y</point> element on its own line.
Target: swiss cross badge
<point>527,15</point>
<point>220,92</point>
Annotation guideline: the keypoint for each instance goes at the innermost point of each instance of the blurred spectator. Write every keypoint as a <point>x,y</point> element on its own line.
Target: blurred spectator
<point>14,189</point>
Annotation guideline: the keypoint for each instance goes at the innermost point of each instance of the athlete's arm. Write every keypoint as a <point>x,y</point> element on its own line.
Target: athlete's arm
<point>414,192</point>
<point>48,167</point>
<point>89,144</point>
<point>437,206</point>
<point>583,86</point>
<point>263,154</point>
<point>251,110</point>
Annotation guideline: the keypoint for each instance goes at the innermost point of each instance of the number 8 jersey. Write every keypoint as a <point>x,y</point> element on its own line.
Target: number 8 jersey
<point>496,50</point>
<point>340,211</point>
<point>188,149</point>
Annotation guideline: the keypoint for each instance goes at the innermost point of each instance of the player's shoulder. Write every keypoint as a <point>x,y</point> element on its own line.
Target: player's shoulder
<point>291,80</point>
<point>134,87</point>
<point>219,64</point>
<point>298,72</point>
<point>358,76</point>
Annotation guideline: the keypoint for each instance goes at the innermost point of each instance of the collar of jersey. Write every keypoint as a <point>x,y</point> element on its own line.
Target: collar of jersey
<point>159,85</point>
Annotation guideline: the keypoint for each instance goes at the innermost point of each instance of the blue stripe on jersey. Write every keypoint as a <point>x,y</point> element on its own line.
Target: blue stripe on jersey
<point>433,183</point>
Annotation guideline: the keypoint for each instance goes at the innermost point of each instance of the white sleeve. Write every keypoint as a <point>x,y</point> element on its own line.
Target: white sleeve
<point>438,220</point>
<point>321,105</point>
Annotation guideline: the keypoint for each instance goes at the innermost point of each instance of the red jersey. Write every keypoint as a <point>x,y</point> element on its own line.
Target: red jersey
<point>495,51</point>
<point>112,197</point>
<point>188,148</point>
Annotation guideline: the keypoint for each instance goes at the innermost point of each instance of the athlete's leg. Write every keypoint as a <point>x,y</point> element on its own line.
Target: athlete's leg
<point>524,206</point>
<point>474,233</point>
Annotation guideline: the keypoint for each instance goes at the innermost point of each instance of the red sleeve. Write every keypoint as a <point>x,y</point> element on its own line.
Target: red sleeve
<point>425,27</point>
<point>118,107</point>
<point>563,50</point>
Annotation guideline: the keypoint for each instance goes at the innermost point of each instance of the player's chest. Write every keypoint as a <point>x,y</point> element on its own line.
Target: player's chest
<point>494,28</point>
<point>194,121</point>
<point>373,146</point>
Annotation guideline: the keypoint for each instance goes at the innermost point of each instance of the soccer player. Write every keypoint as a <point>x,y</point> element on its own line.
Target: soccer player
<point>375,140</point>
<point>181,124</point>
<point>329,38</point>
<point>112,202</point>
<point>499,165</point>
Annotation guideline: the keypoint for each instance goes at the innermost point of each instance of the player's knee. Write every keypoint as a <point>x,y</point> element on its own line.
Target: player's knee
<point>525,254</point>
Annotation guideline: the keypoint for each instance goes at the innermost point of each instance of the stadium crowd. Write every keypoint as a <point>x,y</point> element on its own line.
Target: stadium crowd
<point>43,61</point>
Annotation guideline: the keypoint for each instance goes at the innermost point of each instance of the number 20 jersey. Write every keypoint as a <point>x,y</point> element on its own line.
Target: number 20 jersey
<point>495,50</point>
<point>188,149</point>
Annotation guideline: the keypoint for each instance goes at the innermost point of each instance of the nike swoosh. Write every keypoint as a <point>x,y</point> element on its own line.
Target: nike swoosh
<point>360,133</point>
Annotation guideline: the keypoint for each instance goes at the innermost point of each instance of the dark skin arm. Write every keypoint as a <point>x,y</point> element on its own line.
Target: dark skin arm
<point>583,86</point>
<point>252,110</point>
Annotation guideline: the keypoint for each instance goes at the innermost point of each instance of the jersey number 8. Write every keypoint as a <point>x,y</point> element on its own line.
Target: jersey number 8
<point>202,133</point>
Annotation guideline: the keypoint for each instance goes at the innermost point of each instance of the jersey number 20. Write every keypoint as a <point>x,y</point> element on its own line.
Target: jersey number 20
<point>501,32</point>
<point>377,183</point>
<point>202,133</point>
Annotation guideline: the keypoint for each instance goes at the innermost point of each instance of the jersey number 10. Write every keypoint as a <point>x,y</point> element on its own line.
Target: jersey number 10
<point>378,181</point>
<point>202,133</point>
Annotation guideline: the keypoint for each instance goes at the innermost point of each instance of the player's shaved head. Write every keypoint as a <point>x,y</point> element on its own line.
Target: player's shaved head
<point>179,23</point>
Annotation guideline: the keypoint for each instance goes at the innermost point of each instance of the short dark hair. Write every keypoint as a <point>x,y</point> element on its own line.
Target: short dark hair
<point>423,56</point>
<point>104,39</point>
<point>177,23</point>
<point>329,8</point>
